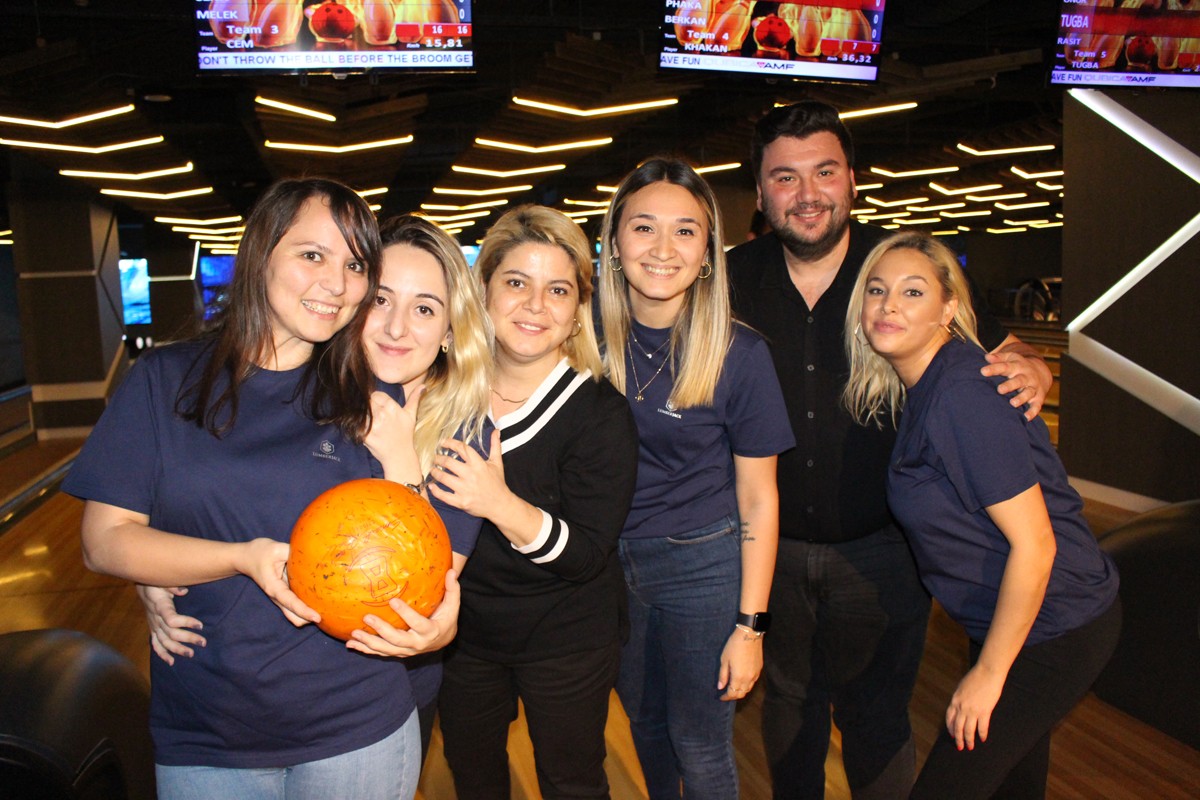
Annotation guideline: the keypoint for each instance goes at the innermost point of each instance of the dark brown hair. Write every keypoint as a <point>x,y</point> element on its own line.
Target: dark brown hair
<point>337,381</point>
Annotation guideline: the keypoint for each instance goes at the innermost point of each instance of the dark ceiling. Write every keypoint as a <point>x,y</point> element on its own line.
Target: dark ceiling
<point>977,69</point>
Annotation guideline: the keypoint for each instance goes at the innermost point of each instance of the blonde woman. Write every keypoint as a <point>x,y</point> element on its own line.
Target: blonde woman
<point>698,548</point>
<point>542,593</point>
<point>998,534</point>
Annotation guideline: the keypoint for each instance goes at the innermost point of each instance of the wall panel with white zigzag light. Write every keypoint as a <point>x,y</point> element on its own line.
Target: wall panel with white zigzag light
<point>1130,408</point>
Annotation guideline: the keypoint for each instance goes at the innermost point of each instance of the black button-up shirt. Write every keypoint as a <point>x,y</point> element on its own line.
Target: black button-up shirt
<point>832,484</point>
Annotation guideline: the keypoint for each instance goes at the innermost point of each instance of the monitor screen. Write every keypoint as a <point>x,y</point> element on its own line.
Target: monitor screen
<point>303,36</point>
<point>1154,45</point>
<point>830,39</point>
<point>135,290</point>
<point>216,273</point>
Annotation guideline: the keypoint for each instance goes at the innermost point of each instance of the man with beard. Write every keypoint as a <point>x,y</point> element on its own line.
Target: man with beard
<point>849,611</point>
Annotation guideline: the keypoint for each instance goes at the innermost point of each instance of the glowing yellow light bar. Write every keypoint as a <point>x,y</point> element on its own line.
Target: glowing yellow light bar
<point>628,108</point>
<point>210,237</point>
<point>593,203</point>
<point>600,187</point>
<point>1050,187</point>
<point>372,192</point>
<point>454,217</point>
<point>958,214</point>
<point>294,109</point>
<point>944,233</point>
<point>1019,206</point>
<point>890,227</point>
<point>346,148</point>
<point>157,195</point>
<point>991,198</point>
<point>70,148</point>
<point>549,148</point>
<point>866,112</point>
<point>1033,223</point>
<point>862,187</point>
<point>512,173</point>
<point>6,241</point>
<point>1004,151</point>
<point>718,167</point>
<point>942,207</point>
<point>468,207</point>
<point>70,121</point>
<point>892,215</point>
<point>186,221</point>
<point>482,192</point>
<point>590,212</point>
<point>1054,173</point>
<point>856,211</point>
<point>1006,230</point>
<point>891,203</point>
<point>1047,224</point>
<point>966,190</point>
<point>912,172</point>
<point>126,176</point>
<point>964,228</point>
<point>192,229</point>
<point>6,233</point>
<point>919,221</point>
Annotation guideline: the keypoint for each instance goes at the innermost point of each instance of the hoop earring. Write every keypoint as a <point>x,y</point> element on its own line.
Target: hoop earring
<point>858,334</point>
<point>446,347</point>
<point>704,274</point>
<point>614,263</point>
<point>578,328</point>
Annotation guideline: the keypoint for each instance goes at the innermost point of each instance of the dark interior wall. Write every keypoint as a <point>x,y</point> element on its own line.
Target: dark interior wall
<point>1006,261</point>
<point>1124,200</point>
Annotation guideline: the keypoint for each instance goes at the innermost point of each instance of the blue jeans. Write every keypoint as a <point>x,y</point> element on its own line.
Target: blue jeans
<point>386,770</point>
<point>848,632</point>
<point>683,601</point>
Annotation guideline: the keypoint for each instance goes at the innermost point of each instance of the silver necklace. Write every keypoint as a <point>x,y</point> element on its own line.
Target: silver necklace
<point>641,387</point>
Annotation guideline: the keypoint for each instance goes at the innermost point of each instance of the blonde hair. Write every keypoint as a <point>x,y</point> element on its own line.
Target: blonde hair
<point>874,389</point>
<point>532,224</point>
<point>455,402</point>
<point>704,329</point>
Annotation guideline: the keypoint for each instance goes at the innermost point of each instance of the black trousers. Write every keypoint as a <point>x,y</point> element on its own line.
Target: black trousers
<point>1046,681</point>
<point>566,708</point>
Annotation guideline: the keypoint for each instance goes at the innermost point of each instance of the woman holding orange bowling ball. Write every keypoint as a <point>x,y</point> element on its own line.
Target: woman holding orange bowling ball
<point>194,477</point>
<point>541,616</point>
<point>428,342</point>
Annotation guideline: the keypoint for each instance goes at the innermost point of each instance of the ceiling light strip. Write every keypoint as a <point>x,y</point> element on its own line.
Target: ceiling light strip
<point>595,112</point>
<point>1141,132</point>
<point>549,148</point>
<point>157,195</point>
<point>987,187</point>
<point>187,221</point>
<point>512,173</point>
<point>70,148</point>
<point>127,176</point>
<point>295,109</point>
<point>912,173</point>
<point>482,192</point>
<point>467,207</point>
<point>348,148</point>
<point>867,112</point>
<point>69,122</point>
<point>1004,151</point>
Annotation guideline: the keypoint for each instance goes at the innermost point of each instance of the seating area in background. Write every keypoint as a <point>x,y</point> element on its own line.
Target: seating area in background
<point>74,720</point>
<point>1153,674</point>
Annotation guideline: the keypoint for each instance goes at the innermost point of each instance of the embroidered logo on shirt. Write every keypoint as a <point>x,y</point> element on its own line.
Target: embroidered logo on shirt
<point>326,447</point>
<point>669,410</point>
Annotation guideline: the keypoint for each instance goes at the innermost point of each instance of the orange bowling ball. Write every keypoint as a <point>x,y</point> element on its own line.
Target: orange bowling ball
<point>362,543</point>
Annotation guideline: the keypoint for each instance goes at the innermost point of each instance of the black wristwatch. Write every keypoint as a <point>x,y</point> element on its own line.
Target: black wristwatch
<point>759,623</point>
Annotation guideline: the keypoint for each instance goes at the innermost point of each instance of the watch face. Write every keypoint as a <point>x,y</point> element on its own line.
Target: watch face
<point>762,621</point>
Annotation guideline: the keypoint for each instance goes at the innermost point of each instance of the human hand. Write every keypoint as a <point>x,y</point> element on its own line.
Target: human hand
<point>170,632</point>
<point>1028,379</point>
<point>741,664</point>
<point>424,634</point>
<point>466,480</point>
<point>970,709</point>
<point>392,425</point>
<point>264,561</point>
